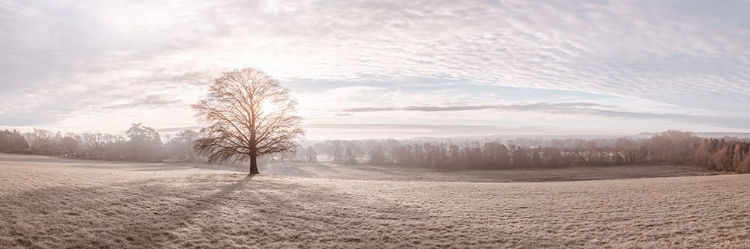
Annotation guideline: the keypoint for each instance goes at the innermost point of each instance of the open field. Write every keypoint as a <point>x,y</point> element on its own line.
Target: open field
<point>400,173</point>
<point>56,203</point>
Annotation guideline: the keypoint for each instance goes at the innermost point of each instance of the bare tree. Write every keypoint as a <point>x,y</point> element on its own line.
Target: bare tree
<point>377,155</point>
<point>352,152</point>
<point>181,146</point>
<point>336,151</point>
<point>311,155</point>
<point>249,115</point>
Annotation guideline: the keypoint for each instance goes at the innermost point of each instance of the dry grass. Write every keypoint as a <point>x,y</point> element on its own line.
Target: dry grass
<point>54,203</point>
<point>399,173</point>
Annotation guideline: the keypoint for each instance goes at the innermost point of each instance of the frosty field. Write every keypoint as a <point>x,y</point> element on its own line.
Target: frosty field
<point>57,203</point>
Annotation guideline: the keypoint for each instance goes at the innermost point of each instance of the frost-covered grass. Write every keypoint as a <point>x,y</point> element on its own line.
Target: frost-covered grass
<point>56,203</point>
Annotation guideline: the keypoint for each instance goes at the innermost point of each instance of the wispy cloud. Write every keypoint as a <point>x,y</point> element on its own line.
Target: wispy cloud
<point>545,107</point>
<point>576,108</point>
<point>690,55</point>
<point>148,102</point>
<point>324,131</point>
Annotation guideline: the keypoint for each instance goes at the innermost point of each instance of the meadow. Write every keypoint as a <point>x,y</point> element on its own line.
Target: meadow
<point>48,202</point>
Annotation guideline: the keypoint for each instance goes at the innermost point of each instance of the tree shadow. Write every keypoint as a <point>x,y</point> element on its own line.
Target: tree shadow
<point>141,212</point>
<point>200,211</point>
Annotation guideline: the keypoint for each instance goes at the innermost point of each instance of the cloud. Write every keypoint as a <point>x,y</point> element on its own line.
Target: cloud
<point>148,102</point>
<point>324,131</point>
<point>576,108</point>
<point>350,92</point>
<point>61,58</point>
<point>547,107</point>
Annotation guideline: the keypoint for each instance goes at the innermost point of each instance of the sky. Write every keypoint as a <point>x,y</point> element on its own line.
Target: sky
<point>384,69</point>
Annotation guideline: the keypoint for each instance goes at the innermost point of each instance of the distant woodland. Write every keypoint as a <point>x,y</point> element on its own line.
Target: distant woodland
<point>144,144</point>
<point>671,147</point>
<point>141,144</point>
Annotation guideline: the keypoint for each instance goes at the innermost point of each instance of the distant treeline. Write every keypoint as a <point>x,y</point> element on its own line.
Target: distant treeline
<point>670,147</point>
<point>13,142</point>
<point>144,144</point>
<point>724,155</point>
<point>141,143</point>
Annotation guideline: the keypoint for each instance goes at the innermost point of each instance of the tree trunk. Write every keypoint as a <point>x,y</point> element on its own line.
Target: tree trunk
<point>254,165</point>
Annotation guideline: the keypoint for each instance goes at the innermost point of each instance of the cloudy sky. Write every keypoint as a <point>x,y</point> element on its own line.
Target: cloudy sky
<point>372,69</point>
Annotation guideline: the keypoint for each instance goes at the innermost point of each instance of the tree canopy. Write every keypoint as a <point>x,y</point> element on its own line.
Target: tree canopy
<point>249,115</point>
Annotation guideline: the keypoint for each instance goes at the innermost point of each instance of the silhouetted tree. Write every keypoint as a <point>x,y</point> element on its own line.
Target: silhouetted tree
<point>249,115</point>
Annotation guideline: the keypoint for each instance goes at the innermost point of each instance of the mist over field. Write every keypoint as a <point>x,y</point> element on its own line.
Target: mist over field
<point>374,124</point>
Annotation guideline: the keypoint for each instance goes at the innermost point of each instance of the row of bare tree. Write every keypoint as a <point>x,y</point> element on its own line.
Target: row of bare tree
<point>724,155</point>
<point>141,143</point>
<point>670,147</point>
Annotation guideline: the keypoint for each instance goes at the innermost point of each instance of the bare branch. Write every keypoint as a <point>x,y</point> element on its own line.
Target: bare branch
<point>249,115</point>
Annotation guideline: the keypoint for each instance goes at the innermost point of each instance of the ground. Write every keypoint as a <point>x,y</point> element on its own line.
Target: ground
<point>57,203</point>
